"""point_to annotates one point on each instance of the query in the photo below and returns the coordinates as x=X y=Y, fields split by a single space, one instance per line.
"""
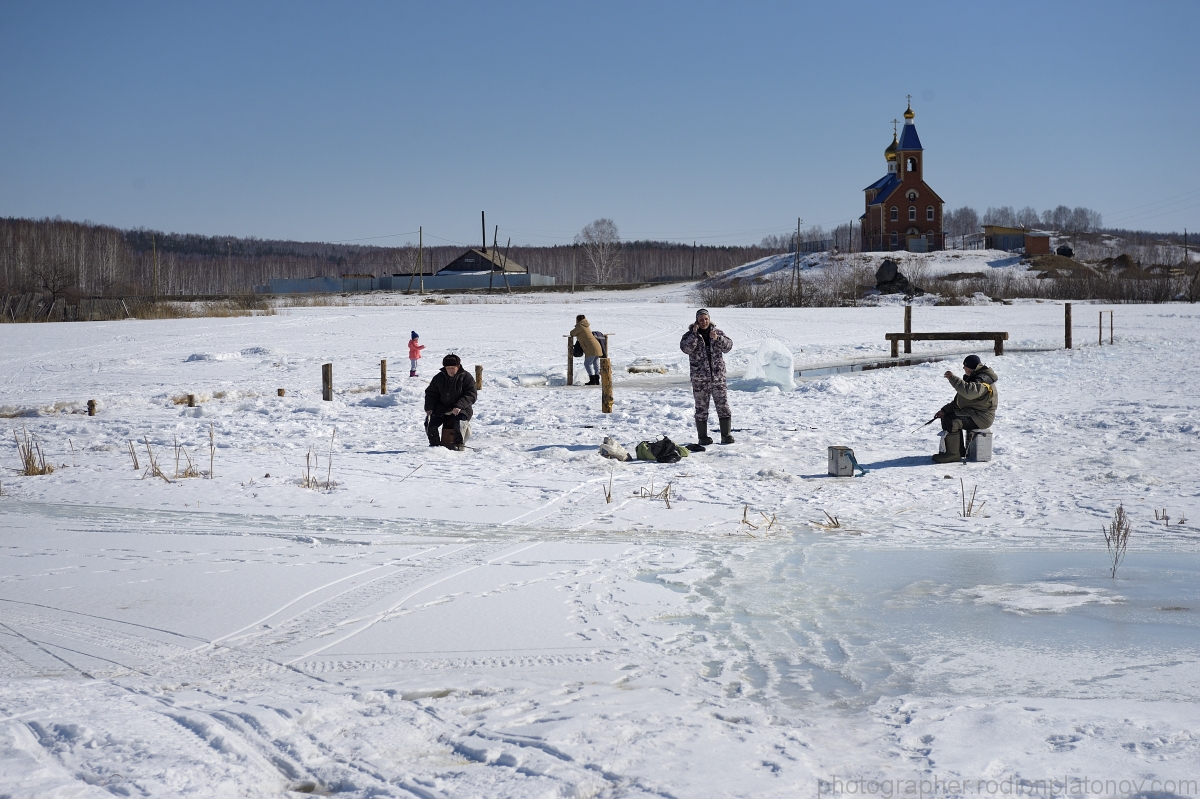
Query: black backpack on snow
x=664 y=450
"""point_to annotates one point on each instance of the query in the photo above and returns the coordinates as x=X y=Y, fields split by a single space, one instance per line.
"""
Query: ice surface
x=526 y=619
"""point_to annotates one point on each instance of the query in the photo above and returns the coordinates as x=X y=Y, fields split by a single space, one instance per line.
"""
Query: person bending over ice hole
x=587 y=342
x=973 y=407
x=706 y=346
x=448 y=402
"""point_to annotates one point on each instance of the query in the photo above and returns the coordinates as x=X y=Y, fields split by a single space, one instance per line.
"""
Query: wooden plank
x=956 y=336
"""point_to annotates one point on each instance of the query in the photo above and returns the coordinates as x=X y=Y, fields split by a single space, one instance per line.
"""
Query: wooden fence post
x=327 y=382
x=91 y=407
x=478 y=376
x=383 y=376
x=191 y=400
x=1068 y=324
x=606 y=391
x=1101 y=334
x=570 y=360
x=908 y=328
x=1111 y=339
x=281 y=391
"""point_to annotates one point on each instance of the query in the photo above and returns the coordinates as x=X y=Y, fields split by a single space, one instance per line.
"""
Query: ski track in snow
x=490 y=625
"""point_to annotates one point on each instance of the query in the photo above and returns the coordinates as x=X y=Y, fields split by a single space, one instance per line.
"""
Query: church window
x=912 y=213
x=912 y=165
x=895 y=213
x=895 y=238
x=929 y=213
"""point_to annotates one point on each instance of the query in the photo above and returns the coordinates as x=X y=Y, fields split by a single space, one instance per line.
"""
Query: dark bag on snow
x=664 y=450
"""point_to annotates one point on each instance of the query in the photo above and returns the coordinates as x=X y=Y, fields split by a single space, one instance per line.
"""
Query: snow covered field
x=484 y=623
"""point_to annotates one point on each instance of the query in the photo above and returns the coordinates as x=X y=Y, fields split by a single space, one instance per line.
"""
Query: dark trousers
x=449 y=422
x=956 y=425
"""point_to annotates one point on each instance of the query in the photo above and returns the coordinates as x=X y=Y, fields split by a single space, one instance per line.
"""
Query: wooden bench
x=998 y=337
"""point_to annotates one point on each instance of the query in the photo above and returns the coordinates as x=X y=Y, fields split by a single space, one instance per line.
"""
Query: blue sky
x=683 y=121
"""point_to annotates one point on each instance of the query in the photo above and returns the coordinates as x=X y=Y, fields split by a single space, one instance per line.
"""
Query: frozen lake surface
x=486 y=623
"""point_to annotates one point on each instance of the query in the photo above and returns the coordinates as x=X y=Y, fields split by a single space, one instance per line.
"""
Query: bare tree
x=1028 y=217
x=962 y=221
x=601 y=242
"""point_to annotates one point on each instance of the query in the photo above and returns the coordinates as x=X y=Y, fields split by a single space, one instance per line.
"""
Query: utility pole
x=154 y=249
x=796 y=261
x=693 y=260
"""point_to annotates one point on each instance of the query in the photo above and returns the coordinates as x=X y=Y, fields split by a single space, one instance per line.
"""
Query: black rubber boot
x=953 y=453
x=726 y=429
x=702 y=433
x=594 y=380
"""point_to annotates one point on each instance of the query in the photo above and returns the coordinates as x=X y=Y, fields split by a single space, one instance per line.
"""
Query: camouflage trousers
x=702 y=390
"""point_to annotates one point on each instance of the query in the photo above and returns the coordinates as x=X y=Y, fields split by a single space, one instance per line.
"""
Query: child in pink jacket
x=414 y=353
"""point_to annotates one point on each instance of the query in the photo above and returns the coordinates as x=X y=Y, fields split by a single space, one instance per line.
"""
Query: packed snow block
x=841 y=462
x=772 y=365
x=979 y=447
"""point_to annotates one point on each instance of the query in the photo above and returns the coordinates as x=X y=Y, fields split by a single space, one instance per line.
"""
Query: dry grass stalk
x=190 y=470
x=152 y=470
x=1116 y=538
x=1162 y=517
x=648 y=493
x=833 y=523
x=608 y=491
x=30 y=452
x=133 y=454
x=212 y=449
x=968 y=508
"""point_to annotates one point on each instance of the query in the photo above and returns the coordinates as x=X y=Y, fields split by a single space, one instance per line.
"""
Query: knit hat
x=701 y=312
x=451 y=360
x=414 y=335
x=971 y=362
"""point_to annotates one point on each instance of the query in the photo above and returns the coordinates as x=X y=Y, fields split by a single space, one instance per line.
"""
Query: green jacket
x=975 y=397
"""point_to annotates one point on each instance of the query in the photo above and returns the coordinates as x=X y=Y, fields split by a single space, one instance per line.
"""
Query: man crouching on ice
x=448 y=401
x=973 y=407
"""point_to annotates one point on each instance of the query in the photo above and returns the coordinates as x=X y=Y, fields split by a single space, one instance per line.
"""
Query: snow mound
x=212 y=356
x=772 y=365
x=1040 y=597
x=644 y=365
x=381 y=400
x=532 y=381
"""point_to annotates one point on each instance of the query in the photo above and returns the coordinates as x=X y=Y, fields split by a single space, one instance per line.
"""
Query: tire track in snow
x=371 y=621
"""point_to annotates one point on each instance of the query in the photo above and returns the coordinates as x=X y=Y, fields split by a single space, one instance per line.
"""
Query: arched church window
x=912 y=213
x=929 y=213
x=895 y=213
x=895 y=238
x=912 y=165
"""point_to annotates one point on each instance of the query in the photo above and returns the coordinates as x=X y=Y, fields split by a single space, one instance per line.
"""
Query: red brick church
x=903 y=213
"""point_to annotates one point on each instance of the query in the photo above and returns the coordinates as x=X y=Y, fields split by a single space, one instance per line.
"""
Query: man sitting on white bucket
x=973 y=407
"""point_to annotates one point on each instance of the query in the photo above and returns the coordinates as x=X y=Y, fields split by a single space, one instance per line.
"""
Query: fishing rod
x=931 y=421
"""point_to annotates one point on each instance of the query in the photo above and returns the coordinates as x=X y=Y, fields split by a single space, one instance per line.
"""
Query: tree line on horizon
x=71 y=259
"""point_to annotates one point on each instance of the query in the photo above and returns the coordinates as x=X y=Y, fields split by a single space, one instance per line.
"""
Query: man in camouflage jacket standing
x=973 y=406
x=706 y=346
